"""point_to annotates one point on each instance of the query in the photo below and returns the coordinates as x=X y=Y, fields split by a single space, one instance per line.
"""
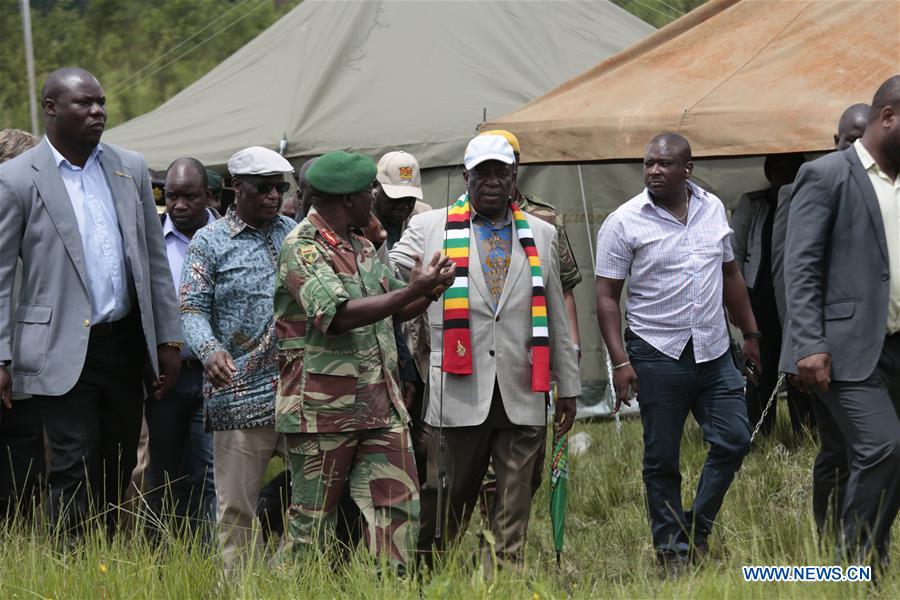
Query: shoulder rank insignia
x=330 y=237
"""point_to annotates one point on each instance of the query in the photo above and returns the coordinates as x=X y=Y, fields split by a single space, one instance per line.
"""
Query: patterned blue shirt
x=227 y=294
x=494 y=240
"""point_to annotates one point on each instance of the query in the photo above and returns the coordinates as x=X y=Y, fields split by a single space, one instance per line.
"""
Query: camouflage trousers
x=380 y=469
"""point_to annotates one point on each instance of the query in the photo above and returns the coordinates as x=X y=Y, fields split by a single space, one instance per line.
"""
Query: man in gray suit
x=97 y=302
x=832 y=464
x=493 y=412
x=842 y=328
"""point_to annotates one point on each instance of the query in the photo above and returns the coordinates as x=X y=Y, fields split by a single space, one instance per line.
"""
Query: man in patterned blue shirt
x=227 y=290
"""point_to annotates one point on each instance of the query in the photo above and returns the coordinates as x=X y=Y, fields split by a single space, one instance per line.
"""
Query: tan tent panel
x=736 y=77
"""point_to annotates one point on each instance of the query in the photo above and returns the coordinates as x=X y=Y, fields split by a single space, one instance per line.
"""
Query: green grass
x=766 y=520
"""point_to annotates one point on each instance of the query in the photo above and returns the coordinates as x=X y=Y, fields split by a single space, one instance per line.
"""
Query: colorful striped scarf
x=457 y=358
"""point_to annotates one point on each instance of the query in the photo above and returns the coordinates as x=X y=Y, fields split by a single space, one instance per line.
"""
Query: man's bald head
x=187 y=194
x=851 y=125
x=190 y=167
x=74 y=112
x=63 y=79
x=888 y=95
x=667 y=166
x=676 y=145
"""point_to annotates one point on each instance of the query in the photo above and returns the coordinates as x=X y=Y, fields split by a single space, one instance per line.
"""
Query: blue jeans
x=668 y=390
x=180 y=475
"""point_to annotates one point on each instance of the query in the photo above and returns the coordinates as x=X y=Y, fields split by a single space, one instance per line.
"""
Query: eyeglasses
x=264 y=187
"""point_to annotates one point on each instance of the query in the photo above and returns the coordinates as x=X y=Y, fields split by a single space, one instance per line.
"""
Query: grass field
x=766 y=520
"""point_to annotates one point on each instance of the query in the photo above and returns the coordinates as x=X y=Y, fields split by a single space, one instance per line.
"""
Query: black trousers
x=93 y=429
x=21 y=457
x=868 y=414
x=799 y=403
x=830 y=471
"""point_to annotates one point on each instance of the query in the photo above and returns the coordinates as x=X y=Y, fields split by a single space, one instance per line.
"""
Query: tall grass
x=766 y=520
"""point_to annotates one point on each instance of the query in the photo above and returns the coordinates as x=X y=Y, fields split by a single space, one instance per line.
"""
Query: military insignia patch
x=406 y=173
x=309 y=253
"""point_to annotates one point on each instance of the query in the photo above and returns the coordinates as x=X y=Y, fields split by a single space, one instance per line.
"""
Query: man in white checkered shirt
x=673 y=243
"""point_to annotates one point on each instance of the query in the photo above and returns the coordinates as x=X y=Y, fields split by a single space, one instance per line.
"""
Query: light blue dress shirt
x=101 y=239
x=176 y=248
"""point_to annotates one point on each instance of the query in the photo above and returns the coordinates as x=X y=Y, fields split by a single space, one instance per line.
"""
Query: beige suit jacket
x=500 y=342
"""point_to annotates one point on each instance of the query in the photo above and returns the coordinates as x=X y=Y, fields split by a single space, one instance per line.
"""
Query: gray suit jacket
x=779 y=235
x=836 y=271
x=747 y=223
x=499 y=342
x=52 y=320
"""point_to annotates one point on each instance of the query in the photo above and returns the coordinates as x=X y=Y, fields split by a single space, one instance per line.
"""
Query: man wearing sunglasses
x=227 y=291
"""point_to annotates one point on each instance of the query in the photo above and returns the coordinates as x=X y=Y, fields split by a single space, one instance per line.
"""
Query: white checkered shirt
x=674 y=272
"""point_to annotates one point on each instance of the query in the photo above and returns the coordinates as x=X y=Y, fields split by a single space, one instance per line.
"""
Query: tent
x=377 y=76
x=736 y=77
x=419 y=76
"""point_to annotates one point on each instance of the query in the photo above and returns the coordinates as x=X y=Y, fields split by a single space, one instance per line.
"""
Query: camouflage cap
x=341 y=173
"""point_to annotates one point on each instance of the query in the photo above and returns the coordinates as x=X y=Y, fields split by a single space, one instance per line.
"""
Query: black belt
x=122 y=326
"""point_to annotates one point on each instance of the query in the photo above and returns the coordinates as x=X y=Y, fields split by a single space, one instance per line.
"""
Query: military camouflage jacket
x=568 y=268
x=332 y=383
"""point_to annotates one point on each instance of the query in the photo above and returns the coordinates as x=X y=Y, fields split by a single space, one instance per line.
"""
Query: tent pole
x=610 y=393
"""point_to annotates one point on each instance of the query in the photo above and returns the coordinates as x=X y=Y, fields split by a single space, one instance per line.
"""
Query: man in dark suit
x=842 y=328
x=97 y=302
x=832 y=464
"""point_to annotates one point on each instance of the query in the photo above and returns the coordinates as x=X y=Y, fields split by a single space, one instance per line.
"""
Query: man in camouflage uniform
x=338 y=400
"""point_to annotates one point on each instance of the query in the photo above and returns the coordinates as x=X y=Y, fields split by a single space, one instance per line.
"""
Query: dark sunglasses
x=264 y=187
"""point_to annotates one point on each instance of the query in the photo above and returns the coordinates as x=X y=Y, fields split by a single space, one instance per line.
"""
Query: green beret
x=341 y=173
x=215 y=181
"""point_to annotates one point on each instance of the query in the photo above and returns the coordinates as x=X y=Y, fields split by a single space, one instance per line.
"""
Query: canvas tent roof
x=377 y=76
x=736 y=77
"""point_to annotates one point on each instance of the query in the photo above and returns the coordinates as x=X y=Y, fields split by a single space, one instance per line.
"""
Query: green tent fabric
x=373 y=77
x=377 y=76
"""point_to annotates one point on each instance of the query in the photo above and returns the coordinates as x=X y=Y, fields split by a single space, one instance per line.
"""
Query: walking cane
x=442 y=467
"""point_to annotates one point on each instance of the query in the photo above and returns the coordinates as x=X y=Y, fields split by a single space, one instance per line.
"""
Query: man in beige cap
x=398 y=193
x=398 y=197
x=227 y=295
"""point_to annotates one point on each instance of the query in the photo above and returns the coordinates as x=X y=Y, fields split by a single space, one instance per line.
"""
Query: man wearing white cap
x=227 y=291
x=493 y=345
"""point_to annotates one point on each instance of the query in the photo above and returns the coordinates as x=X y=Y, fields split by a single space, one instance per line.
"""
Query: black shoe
x=671 y=565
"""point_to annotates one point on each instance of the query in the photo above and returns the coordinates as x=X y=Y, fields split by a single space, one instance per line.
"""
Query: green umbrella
x=559 y=478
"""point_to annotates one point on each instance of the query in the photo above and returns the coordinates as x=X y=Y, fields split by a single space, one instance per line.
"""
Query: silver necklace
x=687 y=207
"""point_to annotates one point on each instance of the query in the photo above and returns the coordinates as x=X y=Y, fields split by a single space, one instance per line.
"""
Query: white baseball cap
x=257 y=160
x=488 y=147
x=399 y=175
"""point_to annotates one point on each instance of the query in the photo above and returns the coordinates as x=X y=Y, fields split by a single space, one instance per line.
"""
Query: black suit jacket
x=836 y=273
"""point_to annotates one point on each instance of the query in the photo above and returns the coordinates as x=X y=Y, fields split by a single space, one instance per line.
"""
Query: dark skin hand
x=565 y=414
x=220 y=369
x=5 y=387
x=609 y=317
x=169 y=370
x=738 y=303
x=814 y=372
x=404 y=304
